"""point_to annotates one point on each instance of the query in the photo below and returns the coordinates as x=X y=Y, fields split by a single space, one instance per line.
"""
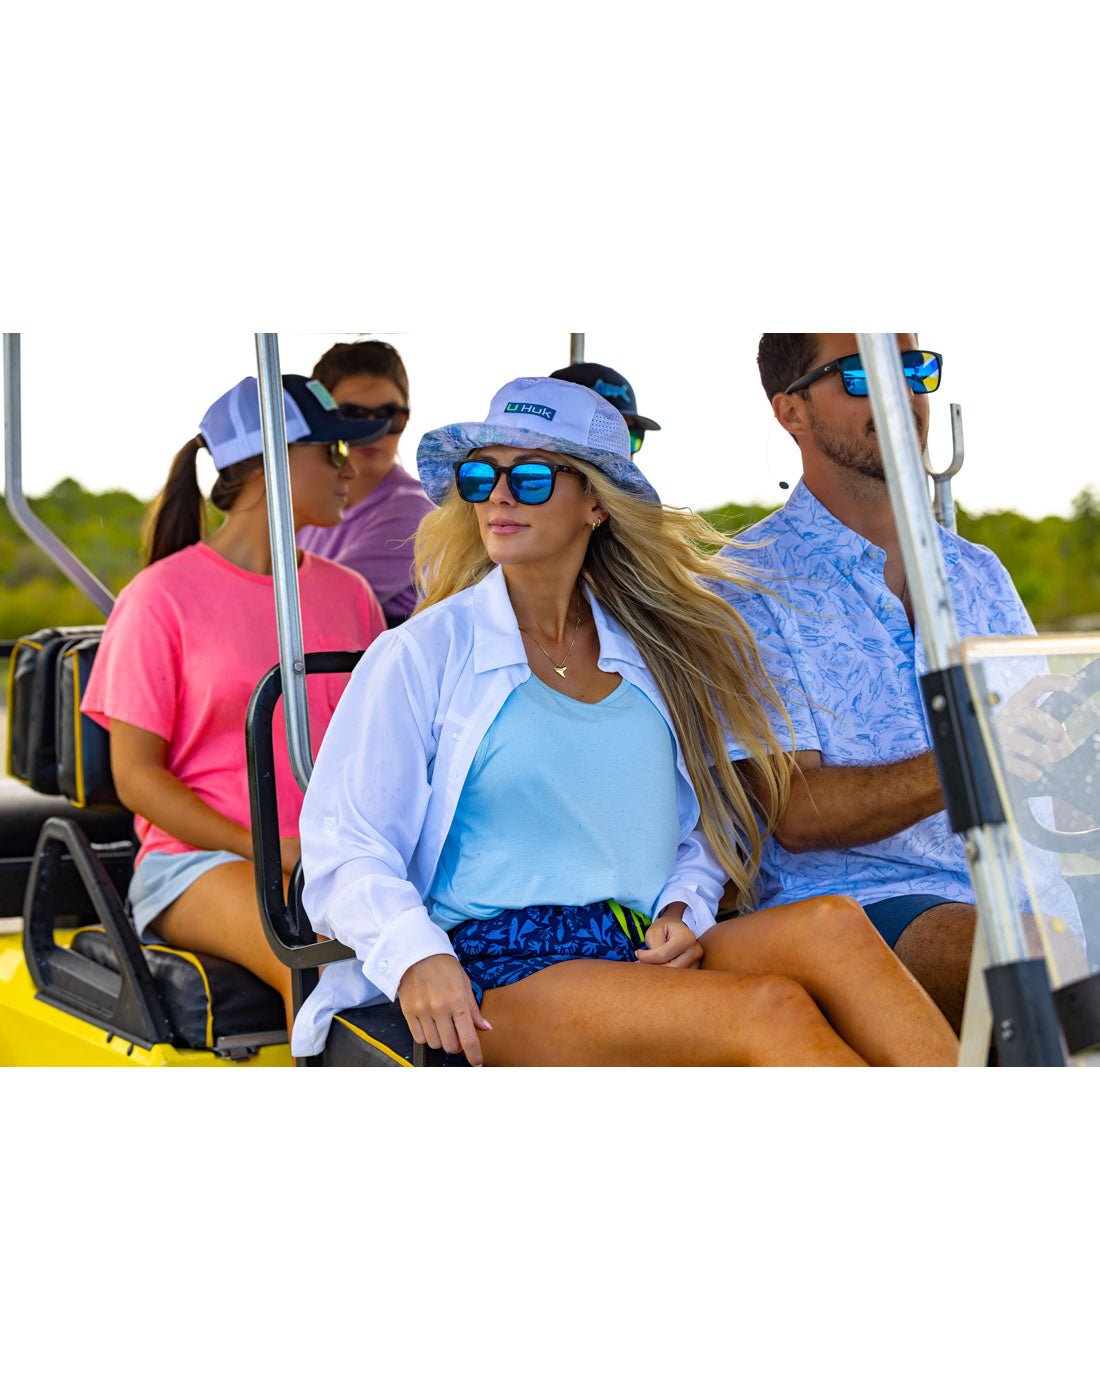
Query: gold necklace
x=558 y=666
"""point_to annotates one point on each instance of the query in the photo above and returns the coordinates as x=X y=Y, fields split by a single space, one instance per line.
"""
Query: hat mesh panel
x=608 y=432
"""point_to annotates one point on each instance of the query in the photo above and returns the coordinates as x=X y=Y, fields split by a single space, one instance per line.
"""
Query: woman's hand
x=669 y=941
x=290 y=852
x=439 y=1005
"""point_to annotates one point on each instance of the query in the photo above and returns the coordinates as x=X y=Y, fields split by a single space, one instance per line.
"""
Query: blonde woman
x=514 y=820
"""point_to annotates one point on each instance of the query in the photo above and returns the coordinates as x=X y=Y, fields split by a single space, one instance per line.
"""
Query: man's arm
x=833 y=805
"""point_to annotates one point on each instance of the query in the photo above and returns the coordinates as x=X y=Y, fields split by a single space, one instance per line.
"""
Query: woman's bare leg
x=832 y=949
x=595 y=1012
x=218 y=914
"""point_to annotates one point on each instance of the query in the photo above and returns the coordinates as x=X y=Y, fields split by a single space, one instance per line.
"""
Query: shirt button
x=383 y=965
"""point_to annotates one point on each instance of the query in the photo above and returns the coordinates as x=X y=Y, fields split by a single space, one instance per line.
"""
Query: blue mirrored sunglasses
x=531 y=483
x=922 y=370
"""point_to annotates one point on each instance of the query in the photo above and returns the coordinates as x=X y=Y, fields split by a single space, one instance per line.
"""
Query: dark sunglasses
x=338 y=453
x=531 y=483
x=637 y=437
x=922 y=370
x=396 y=413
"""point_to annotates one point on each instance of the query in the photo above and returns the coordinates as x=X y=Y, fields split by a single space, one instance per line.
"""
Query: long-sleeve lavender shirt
x=375 y=539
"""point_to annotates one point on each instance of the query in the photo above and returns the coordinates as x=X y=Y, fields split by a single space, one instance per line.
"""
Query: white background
x=669 y=179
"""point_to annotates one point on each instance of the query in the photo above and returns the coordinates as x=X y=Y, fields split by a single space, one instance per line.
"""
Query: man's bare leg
x=935 y=948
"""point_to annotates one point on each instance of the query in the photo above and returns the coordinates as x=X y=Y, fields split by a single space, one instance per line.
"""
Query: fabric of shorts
x=893 y=916
x=162 y=877
x=517 y=942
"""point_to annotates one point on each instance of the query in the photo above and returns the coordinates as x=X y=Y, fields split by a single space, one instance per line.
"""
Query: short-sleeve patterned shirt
x=839 y=647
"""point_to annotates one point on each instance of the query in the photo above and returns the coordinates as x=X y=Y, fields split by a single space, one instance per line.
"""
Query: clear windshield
x=1038 y=701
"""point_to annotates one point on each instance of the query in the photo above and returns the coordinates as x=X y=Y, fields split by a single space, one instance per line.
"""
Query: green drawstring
x=630 y=921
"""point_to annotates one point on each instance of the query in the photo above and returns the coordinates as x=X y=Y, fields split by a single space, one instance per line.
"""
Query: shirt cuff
x=409 y=938
x=699 y=914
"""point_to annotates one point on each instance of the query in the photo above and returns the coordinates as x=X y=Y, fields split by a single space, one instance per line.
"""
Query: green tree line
x=1055 y=562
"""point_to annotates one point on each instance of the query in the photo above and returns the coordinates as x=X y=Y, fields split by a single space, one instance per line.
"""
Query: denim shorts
x=162 y=877
x=517 y=942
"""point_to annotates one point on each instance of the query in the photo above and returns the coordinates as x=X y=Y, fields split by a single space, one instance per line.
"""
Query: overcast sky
x=718 y=440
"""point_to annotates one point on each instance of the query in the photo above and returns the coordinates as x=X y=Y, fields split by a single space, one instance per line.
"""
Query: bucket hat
x=545 y=414
x=232 y=431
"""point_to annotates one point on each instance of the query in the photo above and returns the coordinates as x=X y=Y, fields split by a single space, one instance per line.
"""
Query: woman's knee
x=774 y=999
x=838 y=921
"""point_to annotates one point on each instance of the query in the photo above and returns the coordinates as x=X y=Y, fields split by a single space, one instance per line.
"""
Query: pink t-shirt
x=185 y=646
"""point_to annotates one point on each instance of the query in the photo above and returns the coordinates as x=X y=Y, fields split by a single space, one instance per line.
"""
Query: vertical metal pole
x=284 y=558
x=576 y=348
x=53 y=548
x=989 y=847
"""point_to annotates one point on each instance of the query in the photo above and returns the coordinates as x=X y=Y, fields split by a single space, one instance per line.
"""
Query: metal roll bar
x=943 y=501
x=1025 y=1021
x=576 y=348
x=53 y=548
x=284 y=557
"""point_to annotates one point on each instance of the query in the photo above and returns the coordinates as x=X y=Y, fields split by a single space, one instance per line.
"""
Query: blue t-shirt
x=566 y=803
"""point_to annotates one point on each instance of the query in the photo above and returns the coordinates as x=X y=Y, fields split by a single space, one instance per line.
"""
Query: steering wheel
x=1075 y=779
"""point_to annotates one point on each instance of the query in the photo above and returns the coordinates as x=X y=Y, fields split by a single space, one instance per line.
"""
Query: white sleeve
x=697 y=880
x=364 y=812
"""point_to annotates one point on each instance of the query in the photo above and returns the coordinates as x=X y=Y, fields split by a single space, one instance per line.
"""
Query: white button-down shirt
x=389 y=775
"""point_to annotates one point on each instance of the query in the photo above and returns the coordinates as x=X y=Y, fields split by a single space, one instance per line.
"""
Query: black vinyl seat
x=208 y=1000
x=67 y=850
x=378 y=1036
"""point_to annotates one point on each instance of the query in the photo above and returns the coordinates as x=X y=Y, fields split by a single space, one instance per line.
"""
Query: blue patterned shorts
x=499 y=951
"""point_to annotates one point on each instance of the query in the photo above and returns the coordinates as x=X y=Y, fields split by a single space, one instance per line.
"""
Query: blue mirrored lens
x=854 y=376
x=475 y=480
x=922 y=370
x=531 y=483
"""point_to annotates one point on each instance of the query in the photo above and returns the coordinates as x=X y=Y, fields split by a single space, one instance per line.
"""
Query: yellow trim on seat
x=399 y=1059
x=79 y=800
x=191 y=958
x=34 y=646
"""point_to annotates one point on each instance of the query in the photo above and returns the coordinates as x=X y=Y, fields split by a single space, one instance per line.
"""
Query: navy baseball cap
x=612 y=385
x=232 y=430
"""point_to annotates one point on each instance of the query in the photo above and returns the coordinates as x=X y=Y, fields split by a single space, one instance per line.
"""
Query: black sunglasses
x=531 y=483
x=922 y=370
x=396 y=413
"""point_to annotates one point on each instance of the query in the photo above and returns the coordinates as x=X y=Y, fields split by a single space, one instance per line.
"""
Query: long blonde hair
x=649 y=567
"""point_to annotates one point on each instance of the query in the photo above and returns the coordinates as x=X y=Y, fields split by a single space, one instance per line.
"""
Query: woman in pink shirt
x=184 y=648
x=368 y=381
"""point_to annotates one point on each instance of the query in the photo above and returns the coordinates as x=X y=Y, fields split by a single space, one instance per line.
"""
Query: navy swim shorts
x=517 y=942
x=893 y=916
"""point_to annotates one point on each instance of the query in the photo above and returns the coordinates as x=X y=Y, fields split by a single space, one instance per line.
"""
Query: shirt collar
x=813 y=521
x=497 y=639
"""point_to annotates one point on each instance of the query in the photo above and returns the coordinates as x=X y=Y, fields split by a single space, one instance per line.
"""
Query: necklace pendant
x=561 y=670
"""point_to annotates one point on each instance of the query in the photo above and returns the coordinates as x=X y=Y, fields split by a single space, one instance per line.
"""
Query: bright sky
x=718 y=441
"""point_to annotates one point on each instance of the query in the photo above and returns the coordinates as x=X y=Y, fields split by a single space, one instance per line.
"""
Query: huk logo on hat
x=540 y=410
x=612 y=391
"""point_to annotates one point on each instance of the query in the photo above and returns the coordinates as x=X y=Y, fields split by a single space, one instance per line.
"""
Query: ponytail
x=178 y=515
x=176 y=518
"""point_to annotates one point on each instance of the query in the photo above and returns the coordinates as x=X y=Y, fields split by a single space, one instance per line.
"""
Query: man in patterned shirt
x=866 y=815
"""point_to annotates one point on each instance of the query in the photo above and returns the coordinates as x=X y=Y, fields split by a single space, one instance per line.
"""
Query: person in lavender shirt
x=375 y=538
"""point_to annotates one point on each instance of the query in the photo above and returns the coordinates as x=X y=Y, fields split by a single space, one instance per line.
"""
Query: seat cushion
x=206 y=998
x=377 y=1036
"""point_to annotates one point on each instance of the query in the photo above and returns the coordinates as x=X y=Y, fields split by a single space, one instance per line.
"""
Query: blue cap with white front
x=552 y=415
x=232 y=430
